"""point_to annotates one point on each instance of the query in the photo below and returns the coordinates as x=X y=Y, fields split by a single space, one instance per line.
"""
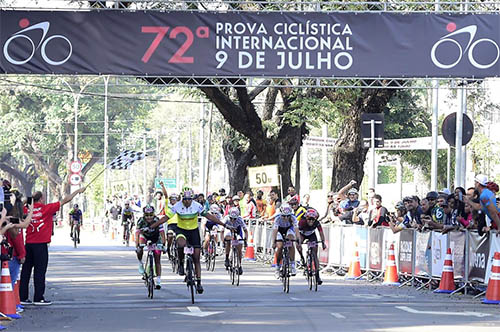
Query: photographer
x=38 y=236
x=400 y=220
x=361 y=214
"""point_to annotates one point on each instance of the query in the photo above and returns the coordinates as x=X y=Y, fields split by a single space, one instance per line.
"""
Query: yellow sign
x=84 y=156
x=263 y=176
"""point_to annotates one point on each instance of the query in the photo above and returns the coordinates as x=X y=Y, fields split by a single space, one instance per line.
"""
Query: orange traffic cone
x=447 y=284
x=493 y=291
x=113 y=234
x=16 y=291
x=7 y=300
x=391 y=271
x=354 y=267
x=250 y=252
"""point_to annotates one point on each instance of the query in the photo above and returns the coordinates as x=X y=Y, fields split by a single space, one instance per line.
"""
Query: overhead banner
x=272 y=44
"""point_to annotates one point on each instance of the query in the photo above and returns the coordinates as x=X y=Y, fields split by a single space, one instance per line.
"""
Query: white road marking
x=337 y=315
x=195 y=311
x=445 y=313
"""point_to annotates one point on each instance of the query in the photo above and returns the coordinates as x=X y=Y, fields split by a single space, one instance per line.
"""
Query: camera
x=14 y=220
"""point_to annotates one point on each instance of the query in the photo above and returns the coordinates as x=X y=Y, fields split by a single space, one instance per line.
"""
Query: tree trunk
x=348 y=153
x=237 y=163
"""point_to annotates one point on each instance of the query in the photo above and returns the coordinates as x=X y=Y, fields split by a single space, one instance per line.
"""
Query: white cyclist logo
x=469 y=49
x=44 y=26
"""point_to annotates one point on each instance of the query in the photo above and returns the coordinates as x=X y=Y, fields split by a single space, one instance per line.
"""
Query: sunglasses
x=149 y=214
x=310 y=219
x=330 y=195
x=187 y=199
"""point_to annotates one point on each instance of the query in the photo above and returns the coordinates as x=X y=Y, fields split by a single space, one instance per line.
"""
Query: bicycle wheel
x=235 y=267
x=309 y=271
x=232 y=269
x=151 y=282
x=313 y=276
x=214 y=253
x=75 y=238
x=208 y=258
x=190 y=277
x=173 y=257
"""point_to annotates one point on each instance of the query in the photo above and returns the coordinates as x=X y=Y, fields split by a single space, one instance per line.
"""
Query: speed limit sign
x=75 y=166
x=263 y=176
x=75 y=179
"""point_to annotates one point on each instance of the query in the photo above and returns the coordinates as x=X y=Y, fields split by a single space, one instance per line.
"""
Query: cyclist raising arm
x=148 y=230
x=307 y=229
x=285 y=226
x=233 y=221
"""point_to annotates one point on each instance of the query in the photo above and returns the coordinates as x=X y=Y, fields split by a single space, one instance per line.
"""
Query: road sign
x=263 y=176
x=84 y=156
x=75 y=179
x=416 y=143
x=75 y=166
x=449 y=129
x=378 y=130
x=169 y=183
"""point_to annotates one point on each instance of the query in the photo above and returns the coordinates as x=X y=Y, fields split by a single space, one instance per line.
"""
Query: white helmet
x=234 y=213
x=214 y=208
x=286 y=210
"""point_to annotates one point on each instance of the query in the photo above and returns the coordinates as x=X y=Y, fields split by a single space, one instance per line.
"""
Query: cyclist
x=187 y=212
x=148 y=230
x=171 y=222
x=299 y=210
x=233 y=221
x=285 y=226
x=307 y=230
x=127 y=219
x=75 y=219
x=208 y=225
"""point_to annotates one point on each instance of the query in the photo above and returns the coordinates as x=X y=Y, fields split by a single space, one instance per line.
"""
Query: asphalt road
x=97 y=288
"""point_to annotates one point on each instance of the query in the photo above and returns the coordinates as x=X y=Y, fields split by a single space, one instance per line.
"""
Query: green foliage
x=386 y=174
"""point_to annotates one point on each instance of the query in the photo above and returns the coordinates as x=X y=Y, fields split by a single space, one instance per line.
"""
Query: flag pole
x=95 y=178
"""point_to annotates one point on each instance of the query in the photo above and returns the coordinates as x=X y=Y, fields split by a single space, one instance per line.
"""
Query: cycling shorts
x=285 y=232
x=192 y=236
x=210 y=226
x=310 y=238
x=239 y=233
x=154 y=239
x=172 y=228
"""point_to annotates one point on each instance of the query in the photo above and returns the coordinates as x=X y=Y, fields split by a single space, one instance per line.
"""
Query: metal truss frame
x=397 y=6
x=238 y=82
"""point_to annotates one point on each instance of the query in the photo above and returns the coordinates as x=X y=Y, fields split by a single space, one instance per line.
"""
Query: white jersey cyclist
x=235 y=223
x=286 y=225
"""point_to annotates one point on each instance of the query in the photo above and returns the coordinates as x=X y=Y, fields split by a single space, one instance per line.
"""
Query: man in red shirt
x=38 y=236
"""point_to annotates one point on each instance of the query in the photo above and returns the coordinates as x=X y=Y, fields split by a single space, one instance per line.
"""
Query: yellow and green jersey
x=187 y=217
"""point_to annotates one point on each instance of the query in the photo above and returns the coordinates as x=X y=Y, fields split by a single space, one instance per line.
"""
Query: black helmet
x=148 y=209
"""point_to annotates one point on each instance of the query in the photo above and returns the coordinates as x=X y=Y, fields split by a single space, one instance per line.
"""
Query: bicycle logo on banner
x=471 y=45
x=44 y=26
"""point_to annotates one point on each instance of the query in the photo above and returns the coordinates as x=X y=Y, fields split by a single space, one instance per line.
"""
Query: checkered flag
x=126 y=159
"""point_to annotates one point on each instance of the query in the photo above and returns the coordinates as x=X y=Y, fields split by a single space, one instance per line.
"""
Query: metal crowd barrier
x=419 y=255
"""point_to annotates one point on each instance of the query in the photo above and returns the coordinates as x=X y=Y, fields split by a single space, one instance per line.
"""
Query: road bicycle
x=76 y=233
x=150 y=268
x=188 y=254
x=234 y=260
x=311 y=266
x=174 y=255
x=285 y=271
x=211 y=253
x=126 y=234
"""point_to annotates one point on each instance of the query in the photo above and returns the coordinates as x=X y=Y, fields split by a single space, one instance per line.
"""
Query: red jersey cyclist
x=307 y=230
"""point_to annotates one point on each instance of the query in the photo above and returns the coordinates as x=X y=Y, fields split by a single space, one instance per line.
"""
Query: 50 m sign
x=263 y=176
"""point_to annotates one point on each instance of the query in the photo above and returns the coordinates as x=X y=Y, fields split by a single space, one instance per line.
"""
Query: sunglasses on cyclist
x=149 y=214
x=187 y=199
x=310 y=219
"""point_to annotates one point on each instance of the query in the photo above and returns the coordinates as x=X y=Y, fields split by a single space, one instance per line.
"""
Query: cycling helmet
x=214 y=208
x=312 y=213
x=400 y=206
x=173 y=196
x=148 y=209
x=293 y=201
x=75 y=206
x=187 y=194
x=234 y=213
x=236 y=197
x=286 y=210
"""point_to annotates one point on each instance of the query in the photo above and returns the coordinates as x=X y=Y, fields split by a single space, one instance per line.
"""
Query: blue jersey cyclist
x=234 y=223
x=285 y=226
x=75 y=217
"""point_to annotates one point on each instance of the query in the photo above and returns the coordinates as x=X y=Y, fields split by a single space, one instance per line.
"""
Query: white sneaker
x=158 y=283
x=293 y=270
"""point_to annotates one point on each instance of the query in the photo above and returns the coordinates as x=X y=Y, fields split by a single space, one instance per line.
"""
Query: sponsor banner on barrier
x=323 y=254
x=335 y=250
x=376 y=236
x=406 y=251
x=479 y=248
x=348 y=239
x=439 y=246
x=457 y=245
x=389 y=238
x=494 y=247
x=362 y=238
x=423 y=254
x=306 y=44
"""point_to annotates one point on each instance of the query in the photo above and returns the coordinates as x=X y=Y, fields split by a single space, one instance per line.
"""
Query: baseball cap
x=445 y=191
x=352 y=191
x=481 y=179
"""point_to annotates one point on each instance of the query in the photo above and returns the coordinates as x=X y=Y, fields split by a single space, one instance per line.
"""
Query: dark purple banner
x=250 y=44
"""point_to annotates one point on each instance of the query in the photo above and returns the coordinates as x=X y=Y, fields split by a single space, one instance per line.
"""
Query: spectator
x=352 y=200
x=361 y=214
x=433 y=215
x=379 y=215
x=292 y=193
x=38 y=236
x=371 y=200
x=228 y=206
x=467 y=221
x=236 y=202
x=261 y=203
x=298 y=210
x=305 y=202
x=487 y=202
x=332 y=206
x=251 y=208
x=459 y=194
x=273 y=206
x=399 y=221
x=450 y=221
x=241 y=201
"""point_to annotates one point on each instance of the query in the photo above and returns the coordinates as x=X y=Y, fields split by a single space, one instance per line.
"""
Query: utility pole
x=202 y=147
x=144 y=191
x=106 y=128
x=190 y=157
x=208 y=148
